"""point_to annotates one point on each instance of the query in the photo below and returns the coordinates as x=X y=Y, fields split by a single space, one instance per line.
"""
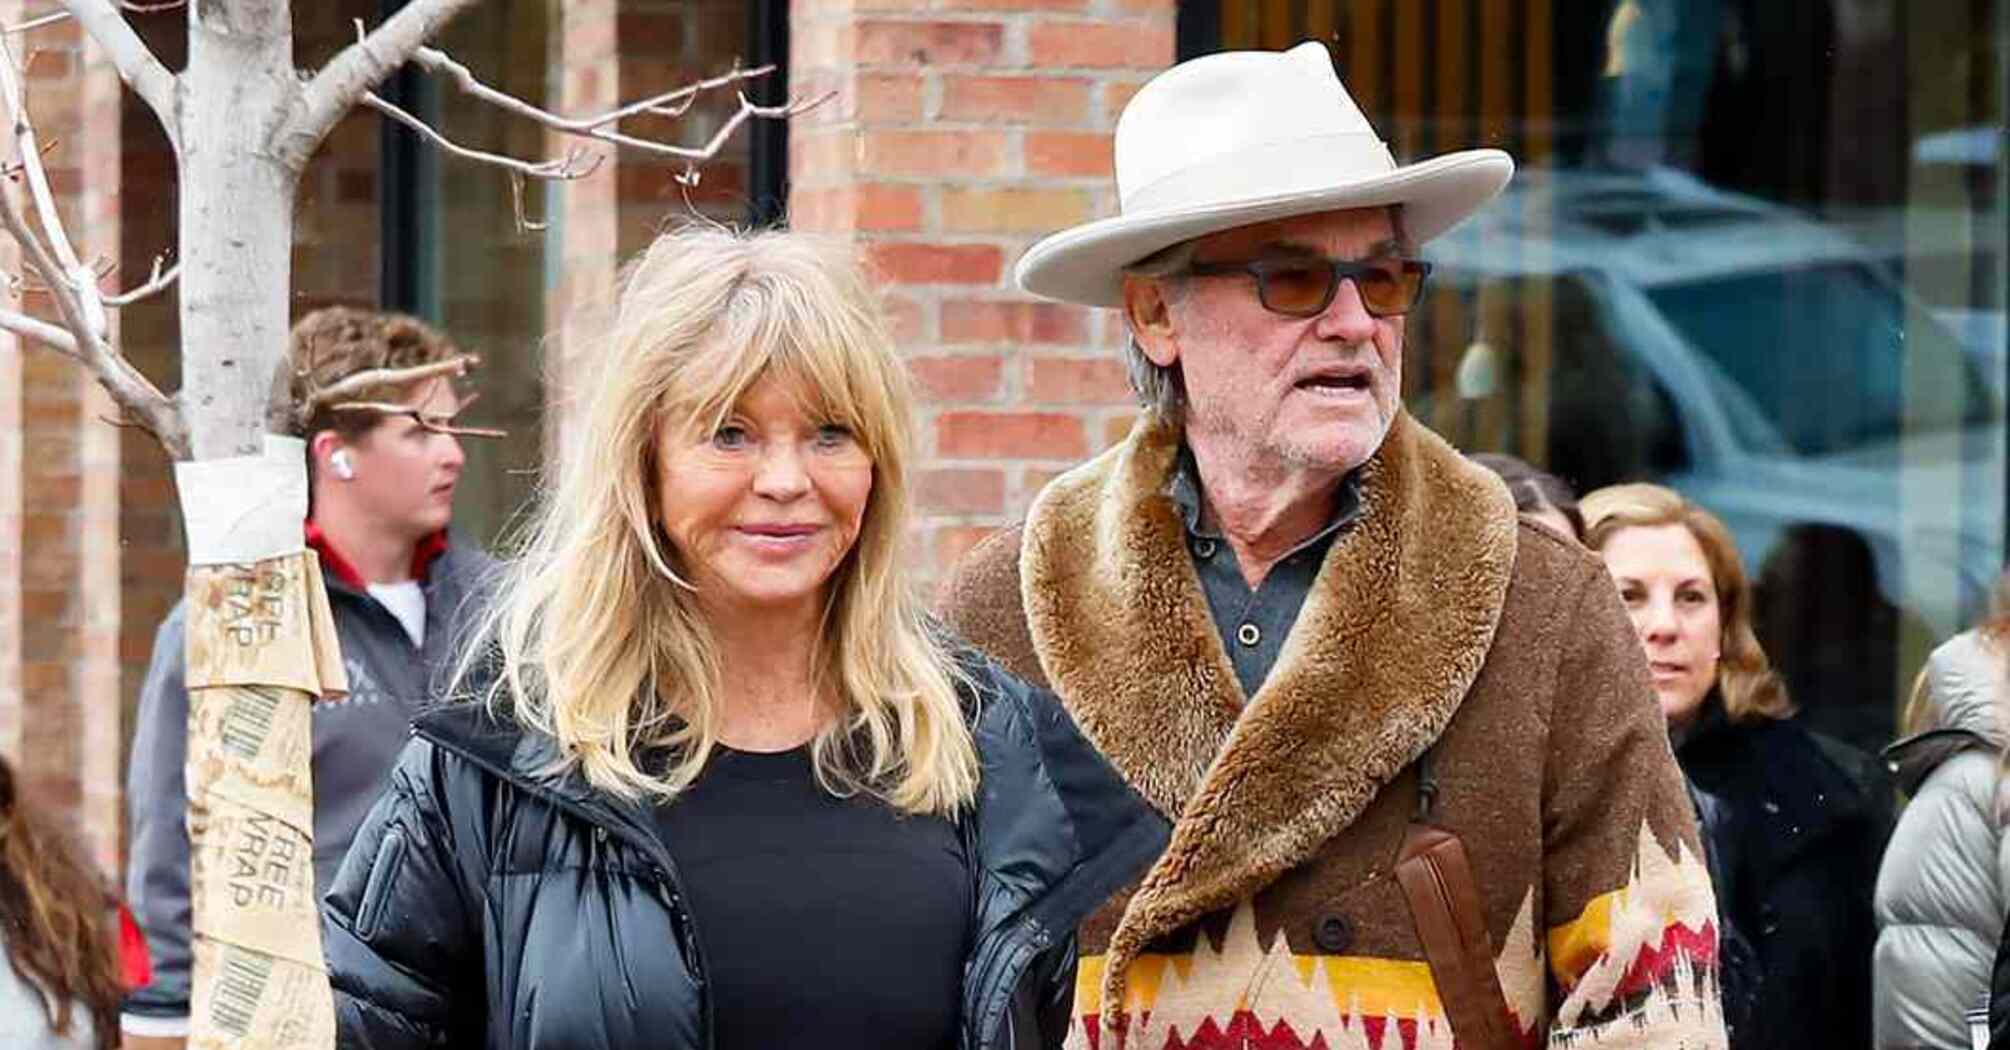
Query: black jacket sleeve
x=400 y=923
x=1999 y=995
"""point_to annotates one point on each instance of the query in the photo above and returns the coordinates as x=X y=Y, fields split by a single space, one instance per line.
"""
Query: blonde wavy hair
x=596 y=640
x=1749 y=687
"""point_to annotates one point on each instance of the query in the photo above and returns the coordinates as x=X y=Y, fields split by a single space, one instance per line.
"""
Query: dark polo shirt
x=1254 y=623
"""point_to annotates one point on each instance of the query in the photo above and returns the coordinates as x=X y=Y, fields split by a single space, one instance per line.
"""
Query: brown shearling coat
x=1273 y=919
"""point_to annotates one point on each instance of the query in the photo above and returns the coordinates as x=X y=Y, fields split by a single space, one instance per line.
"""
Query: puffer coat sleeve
x=400 y=922
x=1944 y=885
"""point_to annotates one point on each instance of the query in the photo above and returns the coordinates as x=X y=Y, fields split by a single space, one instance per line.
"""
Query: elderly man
x=1419 y=790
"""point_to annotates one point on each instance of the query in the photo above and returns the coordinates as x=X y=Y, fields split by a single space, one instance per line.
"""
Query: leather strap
x=1437 y=881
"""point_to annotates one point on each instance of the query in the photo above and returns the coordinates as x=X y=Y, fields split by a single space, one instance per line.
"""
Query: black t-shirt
x=825 y=922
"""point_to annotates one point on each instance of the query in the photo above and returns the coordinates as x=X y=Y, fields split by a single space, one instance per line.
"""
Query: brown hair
x=57 y=916
x=1534 y=489
x=1996 y=625
x=1746 y=682
x=336 y=342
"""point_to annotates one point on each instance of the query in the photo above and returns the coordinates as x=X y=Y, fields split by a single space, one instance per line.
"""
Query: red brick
x=1101 y=45
x=1116 y=95
x=1118 y=427
x=49 y=65
x=1013 y=209
x=873 y=207
x=1035 y=479
x=904 y=317
x=904 y=262
x=890 y=98
x=1063 y=153
x=1020 y=100
x=1011 y=435
x=946 y=380
x=1078 y=380
x=960 y=491
x=952 y=542
x=933 y=153
x=649 y=33
x=928 y=43
x=823 y=157
x=991 y=321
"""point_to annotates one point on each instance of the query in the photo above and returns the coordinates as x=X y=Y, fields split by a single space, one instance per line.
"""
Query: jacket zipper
x=1017 y=951
x=661 y=865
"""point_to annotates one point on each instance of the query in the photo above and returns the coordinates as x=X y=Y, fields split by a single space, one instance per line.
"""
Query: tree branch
x=671 y=103
x=601 y=126
x=52 y=336
x=564 y=168
x=32 y=172
x=74 y=287
x=137 y=65
x=363 y=65
x=79 y=338
x=352 y=386
x=155 y=284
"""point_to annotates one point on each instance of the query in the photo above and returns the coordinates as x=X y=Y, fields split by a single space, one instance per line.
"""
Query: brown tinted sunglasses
x=1306 y=287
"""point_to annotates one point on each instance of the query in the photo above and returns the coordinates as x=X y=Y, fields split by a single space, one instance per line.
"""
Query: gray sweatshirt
x=356 y=741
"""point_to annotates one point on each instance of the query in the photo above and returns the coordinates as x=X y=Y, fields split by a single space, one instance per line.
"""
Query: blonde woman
x=1945 y=881
x=726 y=788
x=1794 y=836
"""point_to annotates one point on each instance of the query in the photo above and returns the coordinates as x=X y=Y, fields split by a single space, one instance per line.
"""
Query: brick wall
x=965 y=130
x=59 y=466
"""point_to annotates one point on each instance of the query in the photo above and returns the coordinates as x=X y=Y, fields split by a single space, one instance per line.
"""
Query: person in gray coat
x=1941 y=890
x=382 y=486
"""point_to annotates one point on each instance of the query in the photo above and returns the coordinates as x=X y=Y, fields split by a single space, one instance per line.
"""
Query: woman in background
x=61 y=986
x=1941 y=891
x=1797 y=844
x=1538 y=494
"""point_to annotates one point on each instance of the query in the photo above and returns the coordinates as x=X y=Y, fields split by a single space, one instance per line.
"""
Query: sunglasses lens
x=1297 y=290
x=1390 y=287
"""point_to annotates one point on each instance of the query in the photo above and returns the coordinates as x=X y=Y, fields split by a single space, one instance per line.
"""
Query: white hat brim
x=1084 y=264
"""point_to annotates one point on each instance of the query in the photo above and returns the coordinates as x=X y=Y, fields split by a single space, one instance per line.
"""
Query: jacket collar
x=339 y=568
x=1395 y=630
x=525 y=761
x=1911 y=760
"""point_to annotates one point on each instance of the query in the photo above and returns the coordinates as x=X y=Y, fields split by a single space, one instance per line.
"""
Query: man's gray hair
x=1159 y=387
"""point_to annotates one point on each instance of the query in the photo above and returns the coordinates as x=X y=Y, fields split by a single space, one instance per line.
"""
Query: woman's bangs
x=833 y=374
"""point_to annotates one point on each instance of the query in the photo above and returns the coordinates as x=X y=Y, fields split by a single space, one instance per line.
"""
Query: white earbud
x=339 y=463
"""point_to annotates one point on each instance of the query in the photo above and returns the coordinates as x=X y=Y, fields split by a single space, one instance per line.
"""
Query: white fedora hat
x=1243 y=137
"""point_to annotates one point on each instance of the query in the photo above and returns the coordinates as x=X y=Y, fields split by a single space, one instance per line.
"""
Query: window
x=1752 y=251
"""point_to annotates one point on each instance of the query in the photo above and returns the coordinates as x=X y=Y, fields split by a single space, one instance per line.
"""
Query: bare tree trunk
x=237 y=197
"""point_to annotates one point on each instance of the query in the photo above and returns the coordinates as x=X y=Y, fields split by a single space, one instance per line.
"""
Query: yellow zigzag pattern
x=1170 y=997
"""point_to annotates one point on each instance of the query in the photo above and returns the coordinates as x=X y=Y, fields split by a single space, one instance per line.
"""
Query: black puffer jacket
x=483 y=905
x=1798 y=841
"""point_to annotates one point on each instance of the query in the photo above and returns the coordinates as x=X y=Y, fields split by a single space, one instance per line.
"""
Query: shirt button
x=1333 y=934
x=1204 y=548
x=1247 y=634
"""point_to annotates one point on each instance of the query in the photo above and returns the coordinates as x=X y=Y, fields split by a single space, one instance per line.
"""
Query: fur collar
x=1393 y=634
